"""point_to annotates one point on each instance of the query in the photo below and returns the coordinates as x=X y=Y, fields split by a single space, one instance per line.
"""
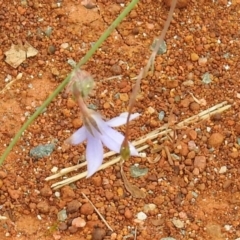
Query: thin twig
x=99 y=214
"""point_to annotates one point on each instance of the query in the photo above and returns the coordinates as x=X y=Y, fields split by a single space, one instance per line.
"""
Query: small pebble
x=98 y=233
x=46 y=191
x=78 y=222
x=149 y=207
x=178 y=223
x=64 y=45
x=87 y=209
x=43 y=207
x=222 y=170
x=77 y=123
x=194 y=57
x=128 y=213
x=62 y=215
x=216 y=139
x=72 y=229
x=124 y=97
x=141 y=216
x=200 y=162
x=73 y=206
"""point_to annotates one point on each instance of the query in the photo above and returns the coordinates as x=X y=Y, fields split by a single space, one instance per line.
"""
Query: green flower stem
x=66 y=80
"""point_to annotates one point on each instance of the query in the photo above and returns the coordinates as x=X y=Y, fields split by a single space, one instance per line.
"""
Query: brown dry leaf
x=30 y=50
x=17 y=54
x=134 y=190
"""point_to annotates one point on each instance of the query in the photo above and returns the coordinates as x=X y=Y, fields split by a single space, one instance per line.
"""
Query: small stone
x=202 y=61
x=222 y=170
x=150 y=110
x=191 y=155
x=122 y=84
x=194 y=57
x=227 y=184
x=194 y=106
x=1 y=183
x=19 y=179
x=51 y=49
x=3 y=174
x=72 y=229
x=97 y=181
x=106 y=105
x=185 y=103
x=157 y=222
x=196 y=171
x=141 y=216
x=62 y=226
x=183 y=148
x=149 y=207
x=77 y=123
x=188 y=162
x=46 y=191
x=14 y=194
x=62 y=215
x=172 y=83
x=98 y=233
x=124 y=97
x=162 y=49
x=43 y=207
x=87 y=209
x=73 y=206
x=116 y=69
x=192 y=134
x=78 y=222
x=120 y=192
x=201 y=187
x=200 y=162
x=55 y=72
x=64 y=45
x=71 y=103
x=67 y=193
x=128 y=213
x=234 y=154
x=216 y=139
x=42 y=150
x=178 y=223
x=109 y=195
x=188 y=38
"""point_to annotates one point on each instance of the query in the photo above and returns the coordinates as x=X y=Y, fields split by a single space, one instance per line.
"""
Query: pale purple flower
x=97 y=133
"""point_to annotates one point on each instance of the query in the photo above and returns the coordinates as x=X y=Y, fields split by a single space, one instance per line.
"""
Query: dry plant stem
x=135 y=234
x=132 y=189
x=170 y=161
x=161 y=37
x=145 y=70
x=162 y=131
x=99 y=214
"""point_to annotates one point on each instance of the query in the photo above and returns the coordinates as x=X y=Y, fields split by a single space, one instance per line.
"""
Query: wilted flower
x=98 y=132
x=81 y=83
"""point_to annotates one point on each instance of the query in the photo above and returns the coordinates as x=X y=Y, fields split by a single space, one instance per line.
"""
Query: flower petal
x=112 y=139
x=78 y=137
x=94 y=154
x=121 y=119
x=133 y=150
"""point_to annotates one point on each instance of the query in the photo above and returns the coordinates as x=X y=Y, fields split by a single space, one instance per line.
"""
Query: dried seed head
x=81 y=84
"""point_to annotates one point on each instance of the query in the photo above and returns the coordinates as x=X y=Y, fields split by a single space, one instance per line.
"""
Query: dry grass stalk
x=162 y=131
x=99 y=214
